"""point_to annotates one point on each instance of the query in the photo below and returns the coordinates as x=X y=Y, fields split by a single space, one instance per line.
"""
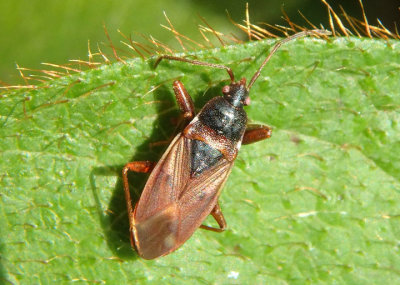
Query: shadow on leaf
x=114 y=220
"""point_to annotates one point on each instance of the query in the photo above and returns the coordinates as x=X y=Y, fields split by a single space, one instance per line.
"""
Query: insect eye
x=246 y=101
x=225 y=89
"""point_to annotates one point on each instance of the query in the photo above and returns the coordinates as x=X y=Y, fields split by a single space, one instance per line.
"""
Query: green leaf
x=316 y=203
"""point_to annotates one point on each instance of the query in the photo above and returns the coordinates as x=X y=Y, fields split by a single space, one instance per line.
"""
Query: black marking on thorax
x=202 y=157
x=224 y=119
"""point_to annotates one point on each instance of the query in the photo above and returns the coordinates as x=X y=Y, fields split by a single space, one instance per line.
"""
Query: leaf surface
x=316 y=203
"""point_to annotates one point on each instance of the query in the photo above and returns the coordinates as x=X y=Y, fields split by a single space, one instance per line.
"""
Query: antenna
x=279 y=44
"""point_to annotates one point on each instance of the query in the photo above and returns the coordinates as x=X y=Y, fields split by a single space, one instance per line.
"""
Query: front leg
x=184 y=100
x=255 y=133
x=186 y=106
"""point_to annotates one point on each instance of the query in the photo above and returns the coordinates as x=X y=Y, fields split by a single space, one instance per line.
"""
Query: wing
x=174 y=204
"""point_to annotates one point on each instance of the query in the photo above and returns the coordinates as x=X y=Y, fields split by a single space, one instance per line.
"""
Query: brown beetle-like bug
x=184 y=186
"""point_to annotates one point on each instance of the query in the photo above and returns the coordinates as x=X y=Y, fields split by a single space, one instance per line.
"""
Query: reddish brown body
x=184 y=186
x=183 y=202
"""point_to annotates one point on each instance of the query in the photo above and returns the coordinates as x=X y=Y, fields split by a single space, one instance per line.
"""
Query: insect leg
x=255 y=133
x=184 y=100
x=186 y=106
x=196 y=62
x=135 y=166
x=219 y=217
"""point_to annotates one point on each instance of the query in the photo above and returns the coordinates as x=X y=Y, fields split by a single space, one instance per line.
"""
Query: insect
x=184 y=186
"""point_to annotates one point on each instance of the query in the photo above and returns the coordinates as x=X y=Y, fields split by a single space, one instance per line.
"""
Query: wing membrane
x=166 y=180
x=174 y=204
x=200 y=197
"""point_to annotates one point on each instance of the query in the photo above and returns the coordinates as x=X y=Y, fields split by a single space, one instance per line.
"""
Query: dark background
x=33 y=31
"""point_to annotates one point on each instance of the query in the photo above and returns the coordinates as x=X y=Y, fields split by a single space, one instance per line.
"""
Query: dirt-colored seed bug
x=184 y=186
